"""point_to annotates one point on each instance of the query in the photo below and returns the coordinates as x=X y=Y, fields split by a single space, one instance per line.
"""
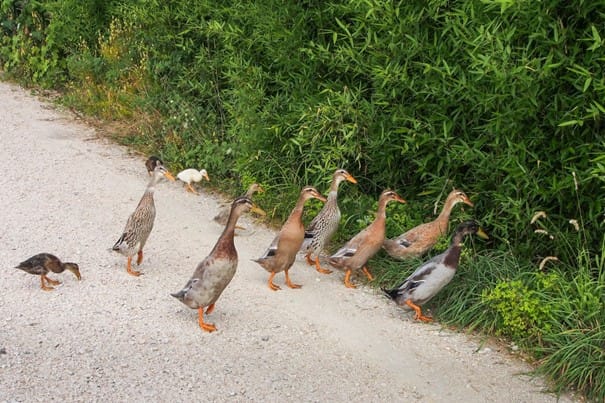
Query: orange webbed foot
x=418 y=310
x=129 y=269
x=319 y=268
x=208 y=327
x=348 y=283
x=289 y=283
x=51 y=281
x=367 y=273
x=270 y=283
x=43 y=285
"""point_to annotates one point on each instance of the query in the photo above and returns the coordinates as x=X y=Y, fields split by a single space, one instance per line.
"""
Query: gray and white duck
x=216 y=271
x=430 y=278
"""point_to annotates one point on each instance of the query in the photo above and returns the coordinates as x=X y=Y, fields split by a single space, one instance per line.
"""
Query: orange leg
x=270 y=282
x=290 y=283
x=208 y=327
x=419 y=315
x=130 y=270
x=310 y=261
x=51 y=281
x=209 y=309
x=367 y=273
x=318 y=266
x=348 y=283
x=139 y=257
x=191 y=189
x=43 y=284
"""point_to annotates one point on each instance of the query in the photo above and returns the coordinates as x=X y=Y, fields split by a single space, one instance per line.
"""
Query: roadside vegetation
x=503 y=99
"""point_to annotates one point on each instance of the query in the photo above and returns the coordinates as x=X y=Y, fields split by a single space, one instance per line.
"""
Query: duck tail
x=116 y=246
x=179 y=295
x=392 y=293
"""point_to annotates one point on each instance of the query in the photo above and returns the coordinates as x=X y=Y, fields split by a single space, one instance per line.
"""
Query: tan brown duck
x=216 y=271
x=428 y=279
x=140 y=223
x=223 y=216
x=324 y=225
x=44 y=263
x=355 y=254
x=419 y=240
x=282 y=252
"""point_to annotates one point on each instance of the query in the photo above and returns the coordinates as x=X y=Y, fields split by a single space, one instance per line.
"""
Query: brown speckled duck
x=223 y=215
x=355 y=254
x=282 y=252
x=140 y=223
x=325 y=223
x=216 y=271
x=151 y=163
x=419 y=240
x=428 y=279
x=44 y=263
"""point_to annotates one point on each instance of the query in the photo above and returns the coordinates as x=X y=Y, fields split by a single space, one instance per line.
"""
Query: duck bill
x=257 y=210
x=77 y=274
x=350 y=178
x=400 y=199
x=321 y=198
x=482 y=234
x=468 y=202
x=169 y=176
x=206 y=177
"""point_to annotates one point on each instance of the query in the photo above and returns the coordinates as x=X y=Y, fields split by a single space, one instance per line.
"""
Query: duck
x=430 y=277
x=192 y=175
x=280 y=255
x=151 y=163
x=44 y=263
x=324 y=225
x=223 y=215
x=355 y=254
x=216 y=271
x=419 y=240
x=140 y=223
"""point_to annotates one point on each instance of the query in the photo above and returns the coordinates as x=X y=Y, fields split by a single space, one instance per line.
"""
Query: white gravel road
x=115 y=337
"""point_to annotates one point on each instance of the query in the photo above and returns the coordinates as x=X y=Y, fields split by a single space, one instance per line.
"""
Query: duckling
x=223 y=215
x=192 y=175
x=419 y=240
x=428 y=279
x=140 y=223
x=355 y=254
x=216 y=271
x=43 y=263
x=324 y=225
x=282 y=252
x=151 y=163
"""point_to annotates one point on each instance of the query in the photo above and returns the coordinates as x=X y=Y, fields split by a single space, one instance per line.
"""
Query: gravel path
x=112 y=336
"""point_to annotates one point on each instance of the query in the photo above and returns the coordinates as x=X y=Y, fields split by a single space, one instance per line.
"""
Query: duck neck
x=452 y=256
x=381 y=215
x=296 y=214
x=444 y=217
x=225 y=245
